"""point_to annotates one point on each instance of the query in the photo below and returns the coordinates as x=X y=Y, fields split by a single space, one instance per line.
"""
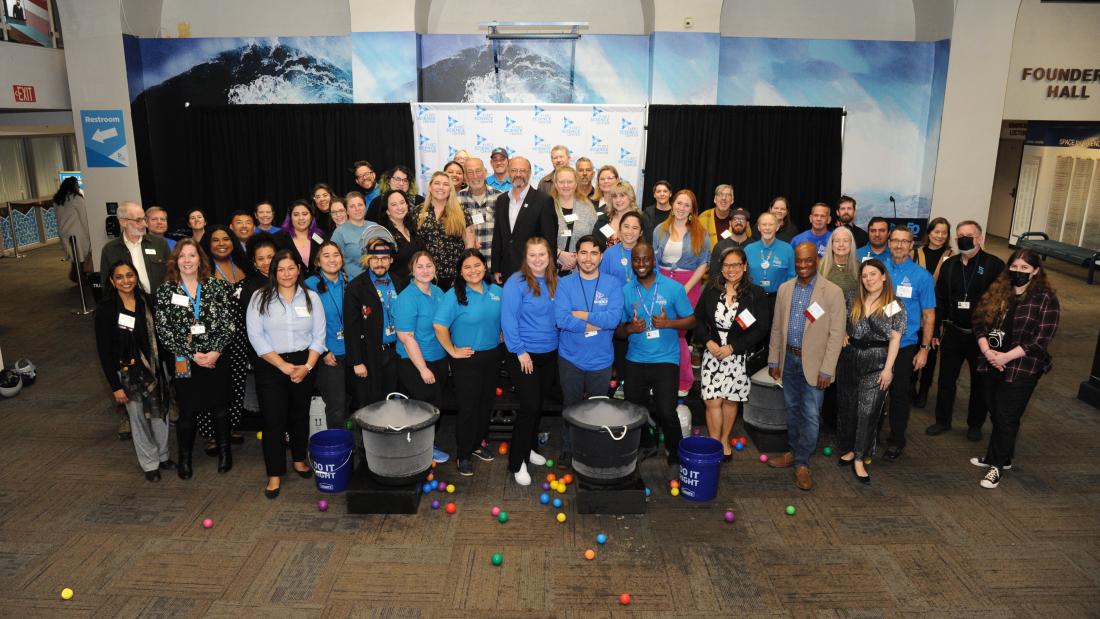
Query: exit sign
x=23 y=93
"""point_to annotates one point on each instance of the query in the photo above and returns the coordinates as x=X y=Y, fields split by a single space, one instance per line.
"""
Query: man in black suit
x=520 y=214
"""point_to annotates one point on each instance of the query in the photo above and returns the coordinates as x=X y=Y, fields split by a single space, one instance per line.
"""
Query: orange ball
x=674 y=483
x=551 y=477
x=590 y=554
x=503 y=449
x=567 y=478
x=431 y=476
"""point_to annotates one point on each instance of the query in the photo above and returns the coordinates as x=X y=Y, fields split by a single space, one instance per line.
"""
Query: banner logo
x=599 y=116
x=569 y=127
x=454 y=126
x=627 y=129
x=536 y=171
x=425 y=114
x=626 y=158
x=425 y=144
x=425 y=171
x=539 y=145
x=540 y=116
x=482 y=115
x=451 y=150
x=598 y=147
x=512 y=126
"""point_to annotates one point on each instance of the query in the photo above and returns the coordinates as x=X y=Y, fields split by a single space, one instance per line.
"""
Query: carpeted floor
x=923 y=539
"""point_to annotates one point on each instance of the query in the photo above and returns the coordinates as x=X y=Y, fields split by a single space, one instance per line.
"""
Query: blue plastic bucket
x=700 y=459
x=331 y=451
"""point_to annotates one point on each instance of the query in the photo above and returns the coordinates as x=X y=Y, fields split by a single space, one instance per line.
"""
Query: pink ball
x=495 y=511
x=322 y=505
x=730 y=517
x=208 y=523
x=763 y=457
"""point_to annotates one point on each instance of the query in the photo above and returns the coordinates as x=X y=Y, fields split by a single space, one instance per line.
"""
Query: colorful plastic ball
x=322 y=505
x=503 y=449
x=828 y=451
x=562 y=488
x=730 y=516
x=546 y=485
x=497 y=558
x=208 y=523
x=557 y=503
x=675 y=483
x=734 y=441
x=601 y=539
x=567 y=478
x=450 y=508
x=624 y=599
x=560 y=517
x=695 y=432
x=675 y=492
x=614 y=384
x=499 y=392
x=589 y=554
x=648 y=491
x=350 y=425
x=431 y=476
x=427 y=487
x=484 y=443
x=550 y=477
x=450 y=488
x=549 y=463
x=435 y=504
x=790 y=510
x=259 y=436
x=763 y=457
x=739 y=446
x=502 y=517
x=544 y=498
x=66 y=594
x=495 y=511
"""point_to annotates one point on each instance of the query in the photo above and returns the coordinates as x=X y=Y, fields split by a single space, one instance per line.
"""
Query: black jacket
x=117 y=346
x=363 y=321
x=536 y=218
x=743 y=340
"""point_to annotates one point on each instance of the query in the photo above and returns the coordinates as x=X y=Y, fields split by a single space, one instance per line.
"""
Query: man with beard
x=559 y=156
x=846 y=217
x=478 y=200
x=878 y=235
x=520 y=214
x=585 y=173
x=738 y=237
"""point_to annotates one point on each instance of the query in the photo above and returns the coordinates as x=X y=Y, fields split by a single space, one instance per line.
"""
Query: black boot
x=225 y=452
x=185 y=440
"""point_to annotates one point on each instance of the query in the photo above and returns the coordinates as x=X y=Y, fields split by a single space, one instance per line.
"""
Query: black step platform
x=367 y=496
x=626 y=497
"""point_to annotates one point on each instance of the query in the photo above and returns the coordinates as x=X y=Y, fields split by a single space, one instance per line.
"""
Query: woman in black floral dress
x=444 y=228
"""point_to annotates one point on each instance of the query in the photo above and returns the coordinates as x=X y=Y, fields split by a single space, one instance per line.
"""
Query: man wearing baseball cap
x=499 y=179
x=739 y=236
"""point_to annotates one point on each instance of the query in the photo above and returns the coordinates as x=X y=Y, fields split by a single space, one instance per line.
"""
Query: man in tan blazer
x=807 y=334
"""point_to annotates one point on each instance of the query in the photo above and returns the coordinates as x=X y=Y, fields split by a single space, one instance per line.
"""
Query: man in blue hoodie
x=587 y=309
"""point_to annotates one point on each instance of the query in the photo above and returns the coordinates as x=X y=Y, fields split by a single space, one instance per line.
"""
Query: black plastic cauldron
x=398 y=436
x=605 y=435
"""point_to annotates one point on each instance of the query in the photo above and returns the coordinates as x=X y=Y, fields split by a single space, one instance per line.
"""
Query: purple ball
x=730 y=517
x=435 y=504
x=545 y=485
x=439 y=485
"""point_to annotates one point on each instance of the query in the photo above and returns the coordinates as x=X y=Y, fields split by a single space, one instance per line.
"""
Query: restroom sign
x=104 y=138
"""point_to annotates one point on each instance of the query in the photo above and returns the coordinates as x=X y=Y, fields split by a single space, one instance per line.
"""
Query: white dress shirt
x=515 y=205
x=137 y=256
x=285 y=328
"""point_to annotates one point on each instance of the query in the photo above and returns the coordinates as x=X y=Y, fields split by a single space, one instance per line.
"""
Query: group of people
x=386 y=290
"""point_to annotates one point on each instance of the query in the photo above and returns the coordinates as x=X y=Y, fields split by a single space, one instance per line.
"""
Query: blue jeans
x=576 y=386
x=803 y=410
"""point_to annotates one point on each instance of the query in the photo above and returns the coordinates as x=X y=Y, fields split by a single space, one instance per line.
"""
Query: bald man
x=522 y=213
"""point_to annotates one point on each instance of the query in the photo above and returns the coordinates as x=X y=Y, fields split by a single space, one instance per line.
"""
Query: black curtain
x=230 y=157
x=763 y=152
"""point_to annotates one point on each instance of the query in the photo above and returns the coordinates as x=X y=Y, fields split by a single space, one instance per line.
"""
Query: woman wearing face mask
x=933 y=250
x=876 y=323
x=329 y=283
x=130 y=359
x=661 y=208
x=1014 y=324
x=575 y=217
x=322 y=204
x=782 y=211
x=305 y=237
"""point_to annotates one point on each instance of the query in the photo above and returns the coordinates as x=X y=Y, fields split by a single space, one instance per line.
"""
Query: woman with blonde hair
x=839 y=264
x=444 y=228
x=621 y=200
x=606 y=178
x=576 y=217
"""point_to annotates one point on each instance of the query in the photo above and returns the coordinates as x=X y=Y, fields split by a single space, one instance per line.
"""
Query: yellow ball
x=562 y=488
x=66 y=594
x=561 y=517
x=450 y=488
x=259 y=436
x=675 y=492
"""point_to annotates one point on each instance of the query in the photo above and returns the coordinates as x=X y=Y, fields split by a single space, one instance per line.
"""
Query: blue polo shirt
x=333 y=301
x=476 y=324
x=914 y=286
x=865 y=253
x=347 y=236
x=770 y=265
x=665 y=293
x=616 y=263
x=602 y=298
x=821 y=241
x=503 y=186
x=413 y=312
x=528 y=320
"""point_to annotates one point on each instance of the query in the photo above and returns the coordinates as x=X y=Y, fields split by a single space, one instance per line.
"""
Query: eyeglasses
x=901 y=241
x=365 y=175
x=740 y=219
x=733 y=265
x=398 y=179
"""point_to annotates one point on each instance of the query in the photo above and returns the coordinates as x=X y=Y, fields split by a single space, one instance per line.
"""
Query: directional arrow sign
x=105 y=138
x=102 y=135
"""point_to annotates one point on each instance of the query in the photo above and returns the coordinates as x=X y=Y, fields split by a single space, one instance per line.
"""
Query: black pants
x=416 y=388
x=956 y=347
x=285 y=408
x=921 y=381
x=664 y=379
x=332 y=383
x=899 y=396
x=475 y=386
x=532 y=389
x=1007 y=403
x=379 y=382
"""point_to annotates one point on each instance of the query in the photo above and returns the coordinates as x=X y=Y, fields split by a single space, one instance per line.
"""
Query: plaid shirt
x=1033 y=326
x=483 y=231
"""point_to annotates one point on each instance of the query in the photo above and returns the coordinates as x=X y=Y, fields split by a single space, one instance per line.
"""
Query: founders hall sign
x=1063 y=83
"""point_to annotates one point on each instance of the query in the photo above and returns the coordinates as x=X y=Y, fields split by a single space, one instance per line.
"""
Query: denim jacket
x=688 y=261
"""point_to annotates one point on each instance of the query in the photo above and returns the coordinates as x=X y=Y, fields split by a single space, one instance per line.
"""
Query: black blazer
x=536 y=218
x=363 y=321
x=743 y=340
x=306 y=265
x=114 y=344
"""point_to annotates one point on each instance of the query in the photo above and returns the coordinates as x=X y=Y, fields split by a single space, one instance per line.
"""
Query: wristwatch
x=926 y=347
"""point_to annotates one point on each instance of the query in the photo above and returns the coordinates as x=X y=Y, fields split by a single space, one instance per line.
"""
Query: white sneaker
x=980 y=463
x=536 y=458
x=992 y=479
x=521 y=476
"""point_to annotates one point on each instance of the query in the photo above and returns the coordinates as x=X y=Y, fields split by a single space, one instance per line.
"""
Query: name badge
x=607 y=230
x=590 y=333
x=623 y=261
x=317 y=238
x=893 y=308
x=745 y=319
x=765 y=283
x=653 y=334
x=820 y=251
x=905 y=292
x=340 y=334
x=726 y=234
x=964 y=304
x=126 y=322
x=570 y=218
x=478 y=219
x=198 y=329
x=865 y=258
x=813 y=312
x=764 y=265
x=567 y=232
x=150 y=252
x=302 y=312
x=237 y=292
x=391 y=330
x=181 y=300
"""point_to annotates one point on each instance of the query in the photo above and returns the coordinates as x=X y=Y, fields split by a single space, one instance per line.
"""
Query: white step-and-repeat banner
x=606 y=134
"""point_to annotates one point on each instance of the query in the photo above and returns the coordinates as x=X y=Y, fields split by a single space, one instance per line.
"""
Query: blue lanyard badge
x=195 y=300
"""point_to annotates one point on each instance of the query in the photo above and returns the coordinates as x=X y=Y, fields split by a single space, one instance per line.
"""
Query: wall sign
x=1080 y=79
x=23 y=93
x=104 y=138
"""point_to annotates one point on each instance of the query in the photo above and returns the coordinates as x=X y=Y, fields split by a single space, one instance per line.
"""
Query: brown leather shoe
x=786 y=461
x=802 y=477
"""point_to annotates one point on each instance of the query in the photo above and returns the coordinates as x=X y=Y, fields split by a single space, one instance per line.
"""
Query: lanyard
x=652 y=301
x=627 y=268
x=195 y=300
x=232 y=269
x=587 y=304
x=339 y=304
x=767 y=259
x=384 y=297
x=967 y=281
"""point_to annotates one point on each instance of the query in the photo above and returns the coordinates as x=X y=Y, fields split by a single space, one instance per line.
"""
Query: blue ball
x=428 y=487
x=557 y=503
x=739 y=446
x=648 y=491
x=601 y=539
x=544 y=498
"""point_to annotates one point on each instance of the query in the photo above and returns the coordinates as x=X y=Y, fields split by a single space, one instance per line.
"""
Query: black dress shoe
x=727 y=457
x=921 y=400
x=272 y=494
x=936 y=429
x=236 y=438
x=892 y=454
x=153 y=475
x=183 y=469
x=306 y=474
x=974 y=435
x=167 y=465
x=125 y=436
x=843 y=462
x=862 y=479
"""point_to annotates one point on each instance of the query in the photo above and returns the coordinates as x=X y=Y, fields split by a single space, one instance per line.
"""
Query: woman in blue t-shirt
x=423 y=365
x=467 y=324
x=330 y=377
x=531 y=336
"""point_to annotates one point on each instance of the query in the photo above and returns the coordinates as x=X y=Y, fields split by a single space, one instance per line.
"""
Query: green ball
x=503 y=517
x=549 y=463
x=790 y=510
x=350 y=425
x=828 y=451
x=498 y=559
